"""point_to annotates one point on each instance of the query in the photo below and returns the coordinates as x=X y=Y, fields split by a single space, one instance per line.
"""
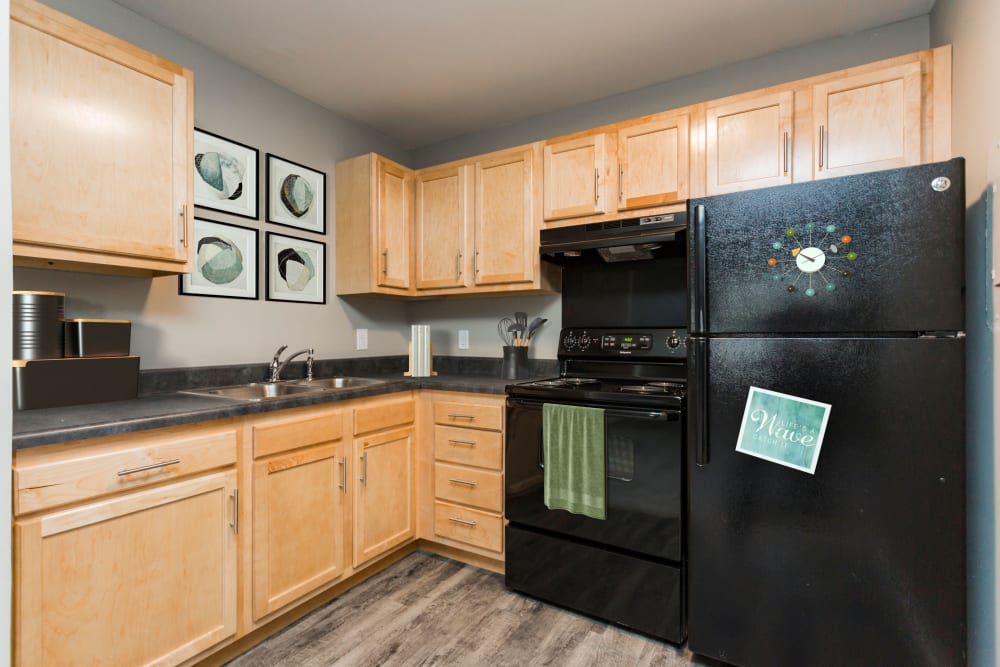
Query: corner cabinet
x=374 y=203
x=384 y=495
x=101 y=149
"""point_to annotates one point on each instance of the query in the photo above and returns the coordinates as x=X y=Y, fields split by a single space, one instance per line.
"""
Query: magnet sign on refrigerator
x=783 y=429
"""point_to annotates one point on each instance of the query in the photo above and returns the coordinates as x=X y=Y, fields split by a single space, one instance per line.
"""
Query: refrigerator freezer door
x=877 y=252
x=861 y=563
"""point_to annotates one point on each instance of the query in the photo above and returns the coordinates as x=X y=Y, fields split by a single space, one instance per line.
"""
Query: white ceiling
x=423 y=71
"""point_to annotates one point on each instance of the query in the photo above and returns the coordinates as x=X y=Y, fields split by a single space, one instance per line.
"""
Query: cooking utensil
x=504 y=330
x=522 y=323
x=534 y=326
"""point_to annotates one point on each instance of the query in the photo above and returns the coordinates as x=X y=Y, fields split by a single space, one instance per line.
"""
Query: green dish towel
x=573 y=446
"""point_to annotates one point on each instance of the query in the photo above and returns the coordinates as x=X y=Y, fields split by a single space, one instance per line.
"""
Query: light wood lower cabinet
x=143 y=578
x=383 y=493
x=299 y=490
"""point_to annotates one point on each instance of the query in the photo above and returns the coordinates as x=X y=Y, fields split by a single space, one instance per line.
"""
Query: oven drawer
x=483 y=449
x=469 y=486
x=468 y=415
x=462 y=524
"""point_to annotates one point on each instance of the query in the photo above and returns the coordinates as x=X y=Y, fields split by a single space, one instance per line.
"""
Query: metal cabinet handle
x=475 y=263
x=364 y=470
x=151 y=466
x=343 y=475
x=461 y=416
x=785 y=152
x=385 y=262
x=470 y=443
x=462 y=481
x=620 y=171
x=462 y=521
x=597 y=176
x=235 y=523
x=184 y=227
x=458 y=263
x=822 y=143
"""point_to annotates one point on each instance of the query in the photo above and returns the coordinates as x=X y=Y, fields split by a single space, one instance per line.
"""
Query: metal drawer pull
x=460 y=416
x=235 y=523
x=462 y=481
x=462 y=521
x=151 y=466
x=364 y=470
x=343 y=475
x=470 y=443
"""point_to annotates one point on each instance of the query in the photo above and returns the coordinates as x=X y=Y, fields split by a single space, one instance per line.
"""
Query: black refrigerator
x=827 y=527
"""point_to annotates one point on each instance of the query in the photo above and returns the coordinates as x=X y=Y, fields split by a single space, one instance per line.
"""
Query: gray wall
x=171 y=330
x=480 y=317
x=971 y=27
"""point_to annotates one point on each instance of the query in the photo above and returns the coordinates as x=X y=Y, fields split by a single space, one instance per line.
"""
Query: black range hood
x=614 y=241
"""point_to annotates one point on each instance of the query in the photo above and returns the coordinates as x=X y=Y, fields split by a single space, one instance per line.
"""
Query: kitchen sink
x=256 y=391
x=337 y=382
x=260 y=391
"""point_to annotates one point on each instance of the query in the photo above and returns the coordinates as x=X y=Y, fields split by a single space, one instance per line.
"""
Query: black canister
x=38 y=324
x=515 y=363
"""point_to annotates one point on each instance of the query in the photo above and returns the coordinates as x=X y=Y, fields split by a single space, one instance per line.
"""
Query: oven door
x=644 y=450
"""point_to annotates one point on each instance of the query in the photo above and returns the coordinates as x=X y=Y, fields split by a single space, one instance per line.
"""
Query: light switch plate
x=362 y=339
x=463 y=339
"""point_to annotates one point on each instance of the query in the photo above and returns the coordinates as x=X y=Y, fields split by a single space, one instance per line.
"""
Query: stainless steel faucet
x=277 y=364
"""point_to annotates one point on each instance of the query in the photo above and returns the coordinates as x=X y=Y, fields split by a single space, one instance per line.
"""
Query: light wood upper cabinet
x=374 y=204
x=867 y=122
x=143 y=578
x=506 y=243
x=101 y=149
x=384 y=512
x=748 y=142
x=653 y=163
x=442 y=227
x=574 y=180
x=299 y=497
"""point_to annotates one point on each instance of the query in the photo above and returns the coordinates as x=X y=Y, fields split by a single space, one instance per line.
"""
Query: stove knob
x=569 y=342
x=584 y=341
x=673 y=342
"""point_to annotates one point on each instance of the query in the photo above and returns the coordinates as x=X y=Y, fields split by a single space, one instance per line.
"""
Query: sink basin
x=337 y=382
x=256 y=391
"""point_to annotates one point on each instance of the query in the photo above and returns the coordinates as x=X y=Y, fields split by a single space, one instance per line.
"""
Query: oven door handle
x=658 y=415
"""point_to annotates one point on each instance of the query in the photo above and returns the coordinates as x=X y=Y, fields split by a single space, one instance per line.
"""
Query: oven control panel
x=611 y=343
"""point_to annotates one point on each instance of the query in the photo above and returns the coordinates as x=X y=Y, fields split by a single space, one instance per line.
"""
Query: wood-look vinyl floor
x=428 y=610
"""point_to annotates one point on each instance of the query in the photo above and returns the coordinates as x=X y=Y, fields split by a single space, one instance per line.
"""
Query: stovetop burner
x=651 y=388
x=564 y=382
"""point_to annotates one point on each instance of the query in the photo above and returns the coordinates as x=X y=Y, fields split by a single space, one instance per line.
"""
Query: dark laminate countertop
x=33 y=428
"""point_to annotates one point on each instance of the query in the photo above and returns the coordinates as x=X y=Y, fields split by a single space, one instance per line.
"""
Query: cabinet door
x=393 y=214
x=506 y=248
x=748 y=143
x=574 y=179
x=442 y=221
x=148 y=577
x=653 y=163
x=383 y=498
x=298 y=510
x=100 y=144
x=867 y=122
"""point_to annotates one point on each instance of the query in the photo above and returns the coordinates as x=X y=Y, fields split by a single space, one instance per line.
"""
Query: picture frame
x=296 y=195
x=296 y=269
x=225 y=261
x=225 y=175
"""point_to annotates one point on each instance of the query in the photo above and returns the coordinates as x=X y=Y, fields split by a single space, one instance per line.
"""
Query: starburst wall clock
x=812 y=265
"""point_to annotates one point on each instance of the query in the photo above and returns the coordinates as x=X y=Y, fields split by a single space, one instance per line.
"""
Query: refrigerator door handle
x=697 y=400
x=699 y=284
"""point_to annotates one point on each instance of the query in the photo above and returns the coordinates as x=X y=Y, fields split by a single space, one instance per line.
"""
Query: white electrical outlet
x=463 y=339
x=362 y=339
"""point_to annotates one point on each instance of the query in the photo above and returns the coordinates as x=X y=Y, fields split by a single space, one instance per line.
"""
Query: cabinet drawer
x=383 y=415
x=462 y=524
x=296 y=432
x=95 y=470
x=468 y=447
x=469 y=486
x=469 y=415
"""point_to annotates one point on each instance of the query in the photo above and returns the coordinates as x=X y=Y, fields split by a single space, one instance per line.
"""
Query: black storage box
x=52 y=383
x=96 y=338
